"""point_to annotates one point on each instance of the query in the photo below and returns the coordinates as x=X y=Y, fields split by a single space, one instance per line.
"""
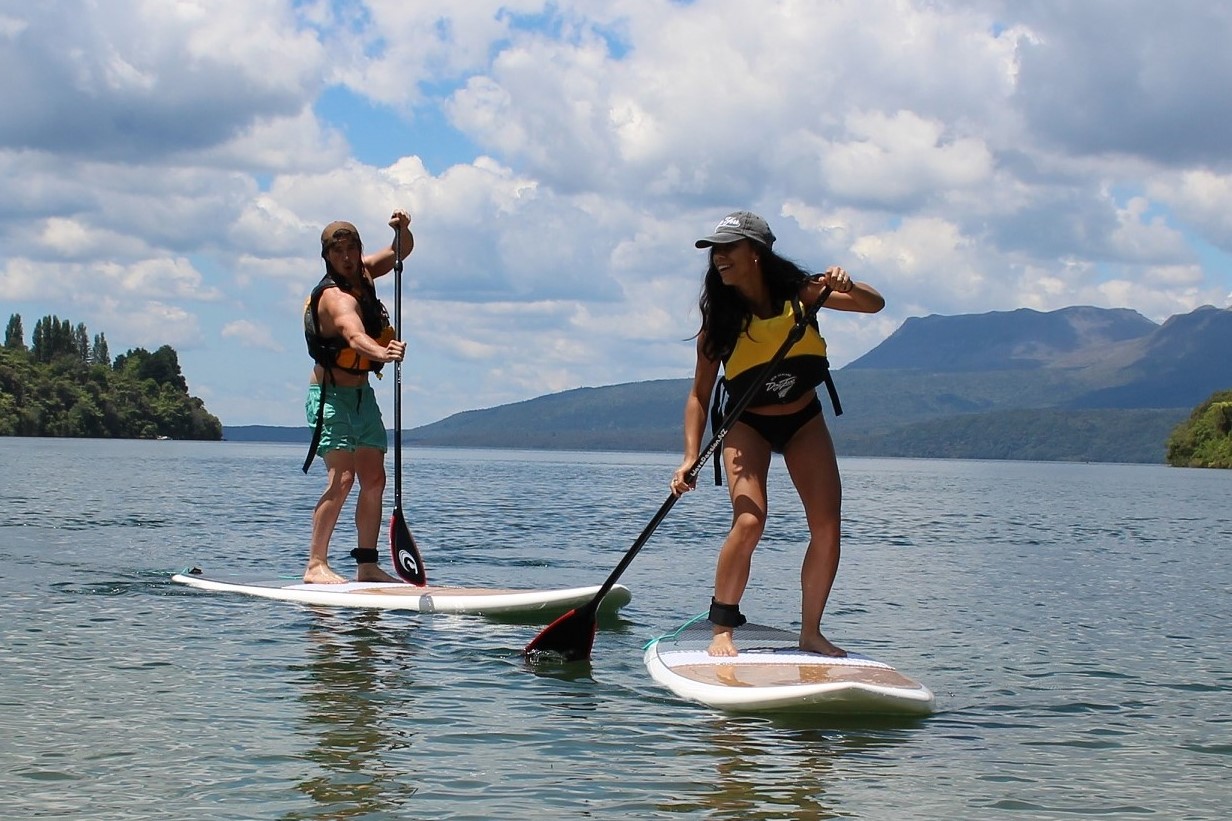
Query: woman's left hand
x=838 y=279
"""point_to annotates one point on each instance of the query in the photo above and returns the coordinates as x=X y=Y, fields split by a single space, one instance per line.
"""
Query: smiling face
x=737 y=264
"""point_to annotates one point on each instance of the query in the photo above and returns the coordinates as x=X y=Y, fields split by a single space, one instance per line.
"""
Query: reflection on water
x=548 y=665
x=1072 y=620
x=782 y=766
x=353 y=662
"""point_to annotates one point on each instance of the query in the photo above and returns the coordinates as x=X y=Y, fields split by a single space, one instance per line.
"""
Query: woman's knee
x=747 y=528
x=824 y=513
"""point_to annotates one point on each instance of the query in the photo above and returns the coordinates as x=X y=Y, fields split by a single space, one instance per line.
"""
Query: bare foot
x=372 y=572
x=820 y=644
x=722 y=645
x=321 y=573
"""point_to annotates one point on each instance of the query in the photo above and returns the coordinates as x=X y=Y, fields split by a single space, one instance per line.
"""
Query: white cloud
x=68 y=238
x=1120 y=77
x=133 y=80
x=1142 y=236
x=928 y=259
x=168 y=170
x=83 y=283
x=20 y=282
x=10 y=27
x=251 y=334
x=1202 y=198
x=901 y=160
x=148 y=324
x=389 y=50
x=280 y=143
x=175 y=278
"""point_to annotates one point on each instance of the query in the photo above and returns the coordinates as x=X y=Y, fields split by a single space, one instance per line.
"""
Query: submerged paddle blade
x=407 y=562
x=571 y=636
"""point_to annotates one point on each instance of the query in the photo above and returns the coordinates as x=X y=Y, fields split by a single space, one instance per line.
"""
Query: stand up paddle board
x=772 y=674
x=400 y=596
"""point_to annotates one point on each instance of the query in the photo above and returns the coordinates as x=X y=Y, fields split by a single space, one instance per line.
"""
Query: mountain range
x=1075 y=384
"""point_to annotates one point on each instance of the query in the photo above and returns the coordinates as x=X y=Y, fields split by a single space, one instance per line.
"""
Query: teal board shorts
x=352 y=419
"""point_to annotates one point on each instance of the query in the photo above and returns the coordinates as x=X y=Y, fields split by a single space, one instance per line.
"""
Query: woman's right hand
x=680 y=483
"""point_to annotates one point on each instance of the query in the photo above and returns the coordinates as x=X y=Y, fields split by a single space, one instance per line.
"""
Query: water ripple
x=1065 y=689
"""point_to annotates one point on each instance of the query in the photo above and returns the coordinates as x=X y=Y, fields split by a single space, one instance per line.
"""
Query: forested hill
x=1079 y=383
x=66 y=384
x=1205 y=439
x=1076 y=384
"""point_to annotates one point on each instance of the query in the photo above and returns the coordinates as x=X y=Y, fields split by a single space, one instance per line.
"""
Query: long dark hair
x=725 y=314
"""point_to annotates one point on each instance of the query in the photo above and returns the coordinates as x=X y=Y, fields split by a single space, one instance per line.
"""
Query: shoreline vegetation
x=66 y=384
x=1204 y=440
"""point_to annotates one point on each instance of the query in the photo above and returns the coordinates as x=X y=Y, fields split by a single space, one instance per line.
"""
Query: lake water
x=1072 y=619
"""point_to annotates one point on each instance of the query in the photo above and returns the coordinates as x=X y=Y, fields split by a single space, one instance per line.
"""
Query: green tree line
x=1205 y=439
x=66 y=384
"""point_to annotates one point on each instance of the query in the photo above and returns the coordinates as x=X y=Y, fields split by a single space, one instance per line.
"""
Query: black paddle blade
x=407 y=562
x=571 y=636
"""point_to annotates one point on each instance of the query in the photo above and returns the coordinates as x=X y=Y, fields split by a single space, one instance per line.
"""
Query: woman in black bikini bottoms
x=750 y=300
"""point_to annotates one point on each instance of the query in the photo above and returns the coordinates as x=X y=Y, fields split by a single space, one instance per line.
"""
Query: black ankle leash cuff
x=365 y=555
x=726 y=615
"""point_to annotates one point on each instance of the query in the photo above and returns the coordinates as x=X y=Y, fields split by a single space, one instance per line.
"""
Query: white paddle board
x=771 y=674
x=401 y=596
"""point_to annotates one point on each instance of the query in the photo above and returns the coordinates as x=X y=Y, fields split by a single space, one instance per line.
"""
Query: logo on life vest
x=781 y=384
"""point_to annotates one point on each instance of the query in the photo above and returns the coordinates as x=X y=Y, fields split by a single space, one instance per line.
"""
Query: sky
x=168 y=166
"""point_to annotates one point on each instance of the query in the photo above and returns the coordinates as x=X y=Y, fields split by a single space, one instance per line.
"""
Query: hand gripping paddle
x=573 y=634
x=407 y=562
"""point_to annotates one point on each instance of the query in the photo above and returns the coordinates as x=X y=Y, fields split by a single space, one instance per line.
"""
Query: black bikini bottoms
x=778 y=430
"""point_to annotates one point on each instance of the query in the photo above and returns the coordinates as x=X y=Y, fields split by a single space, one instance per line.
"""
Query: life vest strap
x=320 y=426
x=716 y=418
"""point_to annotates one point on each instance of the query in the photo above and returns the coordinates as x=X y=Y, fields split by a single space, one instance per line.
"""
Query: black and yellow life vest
x=803 y=368
x=332 y=351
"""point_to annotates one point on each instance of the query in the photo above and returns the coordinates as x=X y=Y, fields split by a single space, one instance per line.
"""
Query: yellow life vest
x=803 y=369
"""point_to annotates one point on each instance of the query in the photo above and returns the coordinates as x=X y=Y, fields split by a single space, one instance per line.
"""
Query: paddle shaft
x=729 y=419
x=407 y=562
x=398 y=368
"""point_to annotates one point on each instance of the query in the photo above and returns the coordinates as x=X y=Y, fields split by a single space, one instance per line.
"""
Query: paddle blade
x=571 y=636
x=407 y=562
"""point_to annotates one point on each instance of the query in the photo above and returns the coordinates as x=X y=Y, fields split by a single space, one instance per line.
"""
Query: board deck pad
x=402 y=596
x=771 y=673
